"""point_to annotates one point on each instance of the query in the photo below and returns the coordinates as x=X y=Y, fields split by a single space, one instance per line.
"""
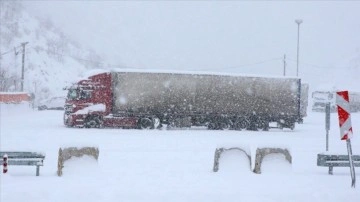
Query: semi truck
x=148 y=100
x=320 y=98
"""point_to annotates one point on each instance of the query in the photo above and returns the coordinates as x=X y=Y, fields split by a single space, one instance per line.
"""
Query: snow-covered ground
x=171 y=165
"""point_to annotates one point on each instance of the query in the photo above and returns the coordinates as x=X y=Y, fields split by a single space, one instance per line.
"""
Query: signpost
x=327 y=124
x=346 y=133
x=5 y=163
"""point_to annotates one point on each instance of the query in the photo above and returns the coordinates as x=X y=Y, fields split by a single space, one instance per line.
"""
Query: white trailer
x=215 y=101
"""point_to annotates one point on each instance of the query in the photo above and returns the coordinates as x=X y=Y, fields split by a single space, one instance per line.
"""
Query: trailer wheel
x=93 y=121
x=292 y=127
x=157 y=123
x=241 y=124
x=263 y=125
x=146 y=123
x=225 y=124
x=170 y=125
x=212 y=126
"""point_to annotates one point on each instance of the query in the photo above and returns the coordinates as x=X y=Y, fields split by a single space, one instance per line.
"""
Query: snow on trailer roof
x=13 y=93
x=99 y=71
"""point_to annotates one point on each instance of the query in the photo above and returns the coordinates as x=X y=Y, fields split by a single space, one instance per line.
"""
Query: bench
x=24 y=159
x=333 y=160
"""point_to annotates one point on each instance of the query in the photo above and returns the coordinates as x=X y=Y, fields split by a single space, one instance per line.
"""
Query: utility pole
x=16 y=82
x=284 y=65
x=298 y=22
x=23 y=65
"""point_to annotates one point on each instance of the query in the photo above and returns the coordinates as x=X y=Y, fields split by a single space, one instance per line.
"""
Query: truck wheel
x=280 y=125
x=241 y=124
x=157 y=123
x=225 y=124
x=266 y=126
x=146 y=123
x=170 y=125
x=92 y=122
x=212 y=126
x=263 y=125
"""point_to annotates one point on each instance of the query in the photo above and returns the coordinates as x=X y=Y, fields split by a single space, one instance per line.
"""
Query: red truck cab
x=89 y=104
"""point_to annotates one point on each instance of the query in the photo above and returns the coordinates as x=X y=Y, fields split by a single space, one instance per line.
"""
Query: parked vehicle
x=149 y=100
x=54 y=103
x=321 y=98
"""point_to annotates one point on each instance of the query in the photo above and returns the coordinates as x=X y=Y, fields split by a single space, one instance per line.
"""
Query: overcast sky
x=231 y=36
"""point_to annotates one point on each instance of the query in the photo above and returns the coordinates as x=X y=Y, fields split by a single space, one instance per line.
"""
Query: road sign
x=342 y=101
x=346 y=133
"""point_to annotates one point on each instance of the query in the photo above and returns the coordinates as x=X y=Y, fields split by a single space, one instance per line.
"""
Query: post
x=352 y=169
x=298 y=22
x=284 y=65
x=23 y=65
x=218 y=151
x=37 y=170
x=327 y=124
x=5 y=163
x=346 y=133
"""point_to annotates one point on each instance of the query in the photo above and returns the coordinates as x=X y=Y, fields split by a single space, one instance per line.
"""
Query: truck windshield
x=72 y=94
x=76 y=94
x=85 y=94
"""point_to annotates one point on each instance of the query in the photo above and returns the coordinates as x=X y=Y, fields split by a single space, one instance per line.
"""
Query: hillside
x=52 y=59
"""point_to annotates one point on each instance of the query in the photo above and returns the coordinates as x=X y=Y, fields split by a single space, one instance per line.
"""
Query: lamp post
x=23 y=64
x=298 y=22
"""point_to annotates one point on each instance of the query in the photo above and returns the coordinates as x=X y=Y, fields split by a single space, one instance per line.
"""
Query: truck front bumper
x=74 y=120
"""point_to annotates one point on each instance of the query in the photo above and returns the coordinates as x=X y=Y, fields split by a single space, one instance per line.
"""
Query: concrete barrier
x=66 y=154
x=262 y=152
x=218 y=153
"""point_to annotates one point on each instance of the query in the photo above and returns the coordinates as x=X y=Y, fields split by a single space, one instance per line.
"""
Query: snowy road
x=172 y=165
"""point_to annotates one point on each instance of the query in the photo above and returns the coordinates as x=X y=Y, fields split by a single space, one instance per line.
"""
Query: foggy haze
x=241 y=37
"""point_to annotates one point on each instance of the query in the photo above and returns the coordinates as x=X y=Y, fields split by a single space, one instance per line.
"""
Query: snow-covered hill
x=52 y=59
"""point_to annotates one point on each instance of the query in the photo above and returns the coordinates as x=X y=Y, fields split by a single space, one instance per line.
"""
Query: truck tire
x=219 y=126
x=93 y=121
x=157 y=123
x=212 y=126
x=225 y=124
x=241 y=124
x=145 y=123
x=170 y=125
x=292 y=126
x=263 y=125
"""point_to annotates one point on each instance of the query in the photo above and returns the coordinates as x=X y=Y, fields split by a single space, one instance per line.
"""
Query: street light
x=298 y=22
x=23 y=64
